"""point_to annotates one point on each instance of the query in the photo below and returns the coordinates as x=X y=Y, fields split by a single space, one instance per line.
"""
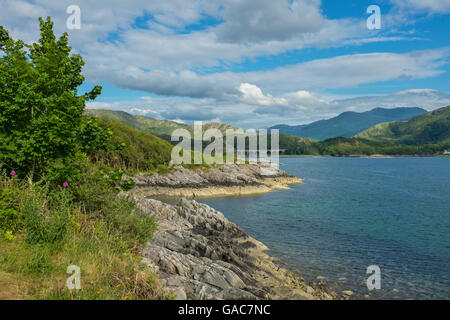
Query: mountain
x=430 y=128
x=160 y=128
x=427 y=134
x=349 y=123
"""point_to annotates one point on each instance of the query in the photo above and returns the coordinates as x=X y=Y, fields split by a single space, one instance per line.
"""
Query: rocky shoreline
x=226 y=180
x=199 y=254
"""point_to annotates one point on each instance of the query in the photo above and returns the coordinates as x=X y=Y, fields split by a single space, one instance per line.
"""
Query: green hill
x=430 y=128
x=298 y=146
x=160 y=128
x=131 y=148
x=380 y=139
x=348 y=124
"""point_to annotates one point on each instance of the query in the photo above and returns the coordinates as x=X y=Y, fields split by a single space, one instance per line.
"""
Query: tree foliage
x=40 y=109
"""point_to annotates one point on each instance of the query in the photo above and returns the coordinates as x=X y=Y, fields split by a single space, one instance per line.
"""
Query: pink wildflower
x=13 y=173
x=65 y=185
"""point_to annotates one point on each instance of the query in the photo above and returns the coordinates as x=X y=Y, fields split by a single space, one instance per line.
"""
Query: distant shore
x=374 y=156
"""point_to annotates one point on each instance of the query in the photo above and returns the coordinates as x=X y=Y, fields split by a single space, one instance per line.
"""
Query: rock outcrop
x=199 y=254
x=225 y=180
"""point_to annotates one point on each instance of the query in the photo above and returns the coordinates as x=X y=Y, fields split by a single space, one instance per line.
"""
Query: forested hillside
x=433 y=127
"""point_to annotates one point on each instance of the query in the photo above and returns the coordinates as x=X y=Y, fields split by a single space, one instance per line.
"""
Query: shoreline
x=221 y=181
x=378 y=156
x=267 y=185
x=198 y=252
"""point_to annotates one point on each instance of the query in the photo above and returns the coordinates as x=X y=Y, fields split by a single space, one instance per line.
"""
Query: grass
x=45 y=228
x=86 y=225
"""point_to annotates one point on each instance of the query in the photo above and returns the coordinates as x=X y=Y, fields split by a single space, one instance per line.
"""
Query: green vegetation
x=40 y=110
x=160 y=128
x=341 y=146
x=427 y=134
x=297 y=146
x=43 y=230
x=60 y=176
x=348 y=124
x=431 y=128
x=358 y=146
x=131 y=148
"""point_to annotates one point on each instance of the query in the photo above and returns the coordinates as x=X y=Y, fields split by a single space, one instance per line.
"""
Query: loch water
x=351 y=213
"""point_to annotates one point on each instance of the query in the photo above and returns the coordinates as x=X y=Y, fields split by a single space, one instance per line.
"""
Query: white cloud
x=265 y=20
x=253 y=95
x=144 y=112
x=159 y=59
x=178 y=121
x=352 y=70
x=427 y=99
x=299 y=108
x=337 y=72
x=432 y=6
x=162 y=61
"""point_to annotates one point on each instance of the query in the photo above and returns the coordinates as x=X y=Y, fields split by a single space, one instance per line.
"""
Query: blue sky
x=252 y=63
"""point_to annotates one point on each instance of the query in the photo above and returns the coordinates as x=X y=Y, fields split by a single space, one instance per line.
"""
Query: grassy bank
x=44 y=230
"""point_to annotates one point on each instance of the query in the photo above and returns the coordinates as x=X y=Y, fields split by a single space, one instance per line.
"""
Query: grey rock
x=226 y=175
x=197 y=252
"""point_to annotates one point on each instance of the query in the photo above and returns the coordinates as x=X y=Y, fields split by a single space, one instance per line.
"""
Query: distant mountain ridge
x=432 y=127
x=427 y=134
x=349 y=123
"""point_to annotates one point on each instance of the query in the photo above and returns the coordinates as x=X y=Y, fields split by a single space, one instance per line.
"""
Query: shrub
x=11 y=216
x=92 y=137
x=47 y=216
x=98 y=196
x=131 y=149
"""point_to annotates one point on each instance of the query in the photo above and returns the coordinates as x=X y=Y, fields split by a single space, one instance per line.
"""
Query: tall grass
x=44 y=229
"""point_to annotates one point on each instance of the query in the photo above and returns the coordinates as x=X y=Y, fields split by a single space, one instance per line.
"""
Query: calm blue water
x=351 y=213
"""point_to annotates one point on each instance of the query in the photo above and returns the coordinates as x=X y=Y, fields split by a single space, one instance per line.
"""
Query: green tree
x=40 y=109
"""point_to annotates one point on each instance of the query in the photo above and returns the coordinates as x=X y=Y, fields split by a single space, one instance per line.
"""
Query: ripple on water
x=351 y=213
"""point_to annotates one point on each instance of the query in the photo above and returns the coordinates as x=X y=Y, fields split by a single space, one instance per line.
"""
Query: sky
x=252 y=63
